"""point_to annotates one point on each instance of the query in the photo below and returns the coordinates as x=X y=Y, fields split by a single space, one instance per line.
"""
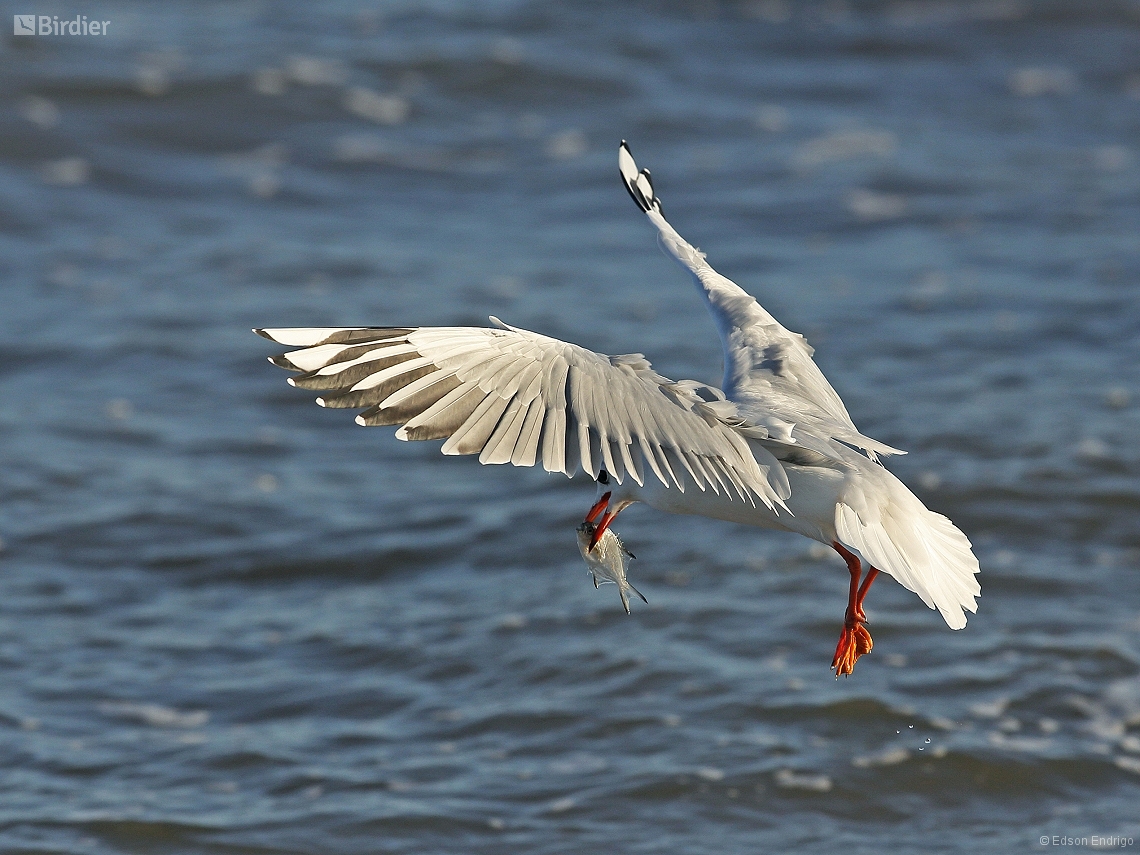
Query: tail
x=623 y=586
x=892 y=530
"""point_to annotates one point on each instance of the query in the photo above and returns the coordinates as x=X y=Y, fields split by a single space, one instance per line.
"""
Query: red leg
x=856 y=570
x=872 y=573
x=854 y=641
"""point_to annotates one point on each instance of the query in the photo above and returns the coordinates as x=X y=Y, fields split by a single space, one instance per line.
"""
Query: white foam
x=561 y=805
x=796 y=781
x=376 y=106
x=1128 y=764
x=990 y=709
x=155 y=715
x=886 y=757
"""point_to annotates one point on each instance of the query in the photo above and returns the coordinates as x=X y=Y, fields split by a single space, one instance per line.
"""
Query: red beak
x=597 y=510
x=598 y=507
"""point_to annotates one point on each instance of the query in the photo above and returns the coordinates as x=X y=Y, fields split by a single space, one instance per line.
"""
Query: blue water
x=233 y=622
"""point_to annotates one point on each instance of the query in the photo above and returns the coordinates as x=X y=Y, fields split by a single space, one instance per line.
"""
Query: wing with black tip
x=768 y=370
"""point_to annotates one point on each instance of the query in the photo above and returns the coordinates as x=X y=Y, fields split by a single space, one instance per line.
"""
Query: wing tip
x=639 y=184
x=277 y=335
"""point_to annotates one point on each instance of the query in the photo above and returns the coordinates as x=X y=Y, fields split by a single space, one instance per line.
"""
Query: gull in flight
x=774 y=447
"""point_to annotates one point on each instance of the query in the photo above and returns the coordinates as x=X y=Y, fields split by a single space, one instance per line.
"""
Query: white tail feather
x=923 y=550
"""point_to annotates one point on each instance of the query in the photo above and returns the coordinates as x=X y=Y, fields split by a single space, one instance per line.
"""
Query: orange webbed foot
x=854 y=641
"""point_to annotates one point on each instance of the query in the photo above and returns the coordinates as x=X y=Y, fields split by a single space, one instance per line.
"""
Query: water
x=234 y=622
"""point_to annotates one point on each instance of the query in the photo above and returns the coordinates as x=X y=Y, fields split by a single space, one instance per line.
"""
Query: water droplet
x=921 y=748
x=928 y=740
x=898 y=731
x=911 y=726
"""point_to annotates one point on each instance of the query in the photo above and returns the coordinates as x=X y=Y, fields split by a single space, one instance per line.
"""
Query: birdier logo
x=51 y=25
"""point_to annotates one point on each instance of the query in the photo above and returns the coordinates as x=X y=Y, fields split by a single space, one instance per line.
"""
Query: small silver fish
x=607 y=561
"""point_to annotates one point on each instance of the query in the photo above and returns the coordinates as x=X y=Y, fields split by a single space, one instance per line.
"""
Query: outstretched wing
x=768 y=371
x=513 y=396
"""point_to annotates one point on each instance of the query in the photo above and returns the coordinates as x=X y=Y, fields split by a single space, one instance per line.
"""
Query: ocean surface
x=233 y=622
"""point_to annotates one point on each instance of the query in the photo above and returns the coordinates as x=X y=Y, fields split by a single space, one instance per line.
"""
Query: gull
x=774 y=447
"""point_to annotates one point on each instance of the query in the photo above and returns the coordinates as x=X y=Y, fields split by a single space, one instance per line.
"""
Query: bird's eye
x=603 y=477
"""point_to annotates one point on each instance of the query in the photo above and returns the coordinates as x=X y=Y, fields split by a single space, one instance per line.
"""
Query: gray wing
x=769 y=373
x=513 y=396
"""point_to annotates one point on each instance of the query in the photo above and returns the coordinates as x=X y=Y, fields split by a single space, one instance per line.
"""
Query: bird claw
x=854 y=641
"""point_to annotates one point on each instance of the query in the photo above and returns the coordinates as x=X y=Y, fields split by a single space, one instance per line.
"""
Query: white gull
x=774 y=447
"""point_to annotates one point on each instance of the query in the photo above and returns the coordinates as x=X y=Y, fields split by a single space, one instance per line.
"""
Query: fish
x=607 y=561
